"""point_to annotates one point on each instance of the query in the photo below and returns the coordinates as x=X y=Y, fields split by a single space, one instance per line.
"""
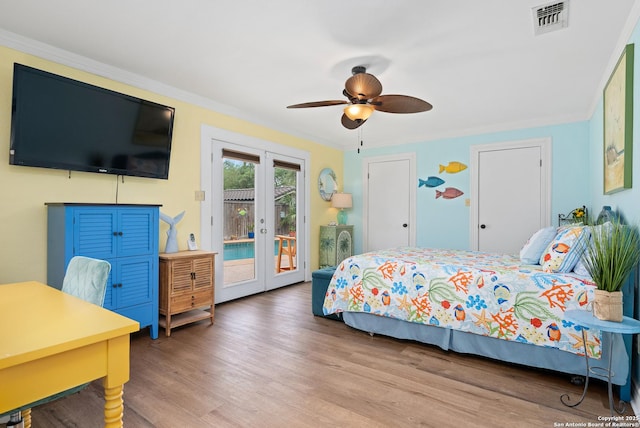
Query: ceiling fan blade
x=363 y=86
x=400 y=104
x=351 y=124
x=319 y=104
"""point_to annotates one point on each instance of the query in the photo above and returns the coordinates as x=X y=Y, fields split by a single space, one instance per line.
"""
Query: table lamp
x=341 y=201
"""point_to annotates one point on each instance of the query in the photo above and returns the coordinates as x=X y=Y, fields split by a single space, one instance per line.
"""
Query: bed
x=493 y=305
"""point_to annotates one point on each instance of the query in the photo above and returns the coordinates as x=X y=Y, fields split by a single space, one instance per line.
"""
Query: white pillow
x=533 y=248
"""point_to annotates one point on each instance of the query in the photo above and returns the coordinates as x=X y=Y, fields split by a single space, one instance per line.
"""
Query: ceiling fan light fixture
x=358 y=112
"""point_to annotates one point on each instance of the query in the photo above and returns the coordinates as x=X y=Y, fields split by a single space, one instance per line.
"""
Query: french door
x=257 y=222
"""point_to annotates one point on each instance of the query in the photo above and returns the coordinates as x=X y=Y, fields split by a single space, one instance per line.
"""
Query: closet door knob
x=483 y=226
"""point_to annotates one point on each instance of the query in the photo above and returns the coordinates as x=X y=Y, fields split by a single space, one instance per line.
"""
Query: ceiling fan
x=363 y=93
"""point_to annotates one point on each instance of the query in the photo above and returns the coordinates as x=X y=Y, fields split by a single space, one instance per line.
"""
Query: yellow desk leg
x=113 y=407
x=26 y=418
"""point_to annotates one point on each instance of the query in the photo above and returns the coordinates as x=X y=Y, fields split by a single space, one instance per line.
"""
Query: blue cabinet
x=124 y=235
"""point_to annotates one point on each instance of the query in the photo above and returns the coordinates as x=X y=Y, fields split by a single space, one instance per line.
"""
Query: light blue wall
x=445 y=223
x=626 y=202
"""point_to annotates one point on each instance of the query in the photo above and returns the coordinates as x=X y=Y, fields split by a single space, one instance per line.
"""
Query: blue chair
x=85 y=278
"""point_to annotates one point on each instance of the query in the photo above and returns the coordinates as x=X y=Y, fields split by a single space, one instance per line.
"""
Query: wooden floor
x=268 y=362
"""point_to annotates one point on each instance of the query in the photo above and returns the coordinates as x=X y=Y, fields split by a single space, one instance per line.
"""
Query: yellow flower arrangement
x=579 y=215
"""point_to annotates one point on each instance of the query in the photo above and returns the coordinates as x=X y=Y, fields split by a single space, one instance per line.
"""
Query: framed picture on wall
x=618 y=124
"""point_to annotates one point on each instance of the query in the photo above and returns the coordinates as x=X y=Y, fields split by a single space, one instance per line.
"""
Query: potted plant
x=610 y=258
x=250 y=232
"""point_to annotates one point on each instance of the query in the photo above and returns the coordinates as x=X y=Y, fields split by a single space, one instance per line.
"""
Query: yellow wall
x=24 y=190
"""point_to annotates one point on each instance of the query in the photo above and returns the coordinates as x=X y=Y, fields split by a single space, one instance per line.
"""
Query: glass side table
x=586 y=319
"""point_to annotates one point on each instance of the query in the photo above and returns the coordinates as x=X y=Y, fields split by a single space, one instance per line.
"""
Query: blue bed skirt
x=510 y=351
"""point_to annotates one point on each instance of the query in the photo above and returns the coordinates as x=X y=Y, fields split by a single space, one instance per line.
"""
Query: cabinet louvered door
x=130 y=283
x=203 y=273
x=181 y=276
x=94 y=237
x=134 y=232
x=134 y=281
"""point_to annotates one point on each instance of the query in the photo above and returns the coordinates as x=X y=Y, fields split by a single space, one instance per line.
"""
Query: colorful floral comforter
x=482 y=293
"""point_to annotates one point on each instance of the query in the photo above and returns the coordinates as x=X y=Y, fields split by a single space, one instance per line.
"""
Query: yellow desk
x=51 y=341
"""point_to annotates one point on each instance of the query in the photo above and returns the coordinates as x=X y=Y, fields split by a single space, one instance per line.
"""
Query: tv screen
x=61 y=123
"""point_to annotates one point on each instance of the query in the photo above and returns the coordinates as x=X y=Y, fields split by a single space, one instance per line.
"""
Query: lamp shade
x=358 y=111
x=341 y=200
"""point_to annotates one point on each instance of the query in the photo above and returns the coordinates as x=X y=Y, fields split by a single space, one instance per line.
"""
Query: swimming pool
x=243 y=249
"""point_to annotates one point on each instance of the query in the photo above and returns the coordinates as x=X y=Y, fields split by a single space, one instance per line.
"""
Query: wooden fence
x=240 y=215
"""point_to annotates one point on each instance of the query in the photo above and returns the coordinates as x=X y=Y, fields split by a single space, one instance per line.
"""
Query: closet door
x=389 y=202
x=510 y=194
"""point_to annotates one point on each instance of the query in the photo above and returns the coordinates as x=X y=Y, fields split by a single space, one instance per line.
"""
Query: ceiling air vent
x=550 y=17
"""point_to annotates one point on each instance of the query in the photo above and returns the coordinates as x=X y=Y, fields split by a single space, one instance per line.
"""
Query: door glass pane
x=286 y=218
x=239 y=219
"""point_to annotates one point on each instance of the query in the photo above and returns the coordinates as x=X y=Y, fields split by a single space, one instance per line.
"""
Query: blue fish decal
x=430 y=182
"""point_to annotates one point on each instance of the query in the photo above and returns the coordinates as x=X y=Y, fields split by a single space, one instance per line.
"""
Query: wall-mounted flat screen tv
x=61 y=123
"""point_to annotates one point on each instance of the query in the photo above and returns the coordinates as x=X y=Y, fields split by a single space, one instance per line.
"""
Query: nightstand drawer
x=186 y=302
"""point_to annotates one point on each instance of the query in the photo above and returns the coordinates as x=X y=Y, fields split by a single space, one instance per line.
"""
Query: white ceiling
x=477 y=62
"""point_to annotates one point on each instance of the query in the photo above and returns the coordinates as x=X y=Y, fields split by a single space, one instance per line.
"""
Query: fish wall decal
x=430 y=182
x=453 y=167
x=449 y=193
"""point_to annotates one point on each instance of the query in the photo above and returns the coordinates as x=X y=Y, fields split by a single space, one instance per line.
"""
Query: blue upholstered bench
x=320 y=280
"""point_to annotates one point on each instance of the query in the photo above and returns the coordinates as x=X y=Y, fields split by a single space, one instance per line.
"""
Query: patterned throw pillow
x=532 y=250
x=562 y=254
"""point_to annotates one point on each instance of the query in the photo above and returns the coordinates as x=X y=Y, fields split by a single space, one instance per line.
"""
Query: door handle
x=405 y=225
x=483 y=226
